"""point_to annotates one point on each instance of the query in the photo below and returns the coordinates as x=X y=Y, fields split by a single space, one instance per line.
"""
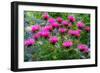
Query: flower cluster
x=56 y=32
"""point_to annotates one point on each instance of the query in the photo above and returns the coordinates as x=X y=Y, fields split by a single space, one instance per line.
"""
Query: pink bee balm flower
x=65 y=23
x=69 y=24
x=87 y=50
x=47 y=28
x=67 y=44
x=83 y=48
x=74 y=33
x=71 y=18
x=45 y=16
x=87 y=28
x=55 y=25
x=80 y=25
x=29 y=42
x=62 y=30
x=45 y=34
x=59 y=19
x=36 y=36
x=51 y=20
x=53 y=39
x=35 y=27
x=77 y=33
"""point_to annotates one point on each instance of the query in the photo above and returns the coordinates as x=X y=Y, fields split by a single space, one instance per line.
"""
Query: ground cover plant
x=56 y=36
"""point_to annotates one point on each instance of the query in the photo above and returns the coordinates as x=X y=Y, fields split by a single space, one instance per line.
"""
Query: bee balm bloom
x=55 y=25
x=36 y=36
x=65 y=23
x=62 y=30
x=59 y=19
x=80 y=25
x=75 y=33
x=51 y=20
x=45 y=16
x=35 y=28
x=87 y=28
x=47 y=28
x=29 y=42
x=45 y=34
x=67 y=44
x=53 y=39
x=83 y=48
x=71 y=18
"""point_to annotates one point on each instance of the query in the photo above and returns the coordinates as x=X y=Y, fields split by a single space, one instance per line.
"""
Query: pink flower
x=75 y=33
x=69 y=24
x=83 y=48
x=29 y=42
x=62 y=30
x=47 y=28
x=80 y=25
x=45 y=34
x=55 y=25
x=59 y=19
x=36 y=36
x=87 y=28
x=65 y=23
x=53 y=39
x=71 y=32
x=67 y=44
x=45 y=16
x=71 y=18
x=35 y=27
x=51 y=20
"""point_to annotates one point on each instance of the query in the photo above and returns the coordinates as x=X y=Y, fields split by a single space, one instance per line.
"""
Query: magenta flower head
x=53 y=39
x=55 y=25
x=80 y=25
x=45 y=16
x=65 y=23
x=83 y=48
x=69 y=24
x=51 y=20
x=62 y=30
x=47 y=28
x=71 y=32
x=59 y=19
x=75 y=33
x=29 y=42
x=87 y=28
x=36 y=36
x=45 y=34
x=67 y=44
x=35 y=27
x=71 y=18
